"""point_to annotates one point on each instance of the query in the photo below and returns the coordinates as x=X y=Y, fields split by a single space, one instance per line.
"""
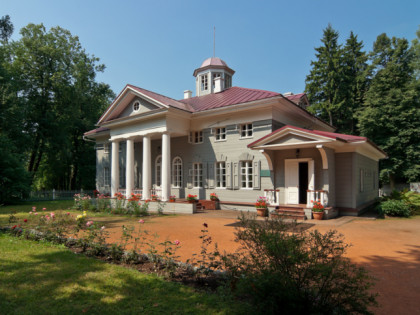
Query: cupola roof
x=213 y=63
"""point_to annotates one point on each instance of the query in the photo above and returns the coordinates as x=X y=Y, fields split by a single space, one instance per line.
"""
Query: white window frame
x=107 y=176
x=136 y=104
x=247 y=129
x=247 y=175
x=215 y=75
x=197 y=175
x=158 y=171
x=204 y=82
x=195 y=137
x=220 y=134
x=228 y=81
x=177 y=172
x=220 y=175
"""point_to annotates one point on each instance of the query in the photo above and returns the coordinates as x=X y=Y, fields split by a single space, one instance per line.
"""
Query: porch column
x=166 y=166
x=129 y=175
x=147 y=167
x=115 y=167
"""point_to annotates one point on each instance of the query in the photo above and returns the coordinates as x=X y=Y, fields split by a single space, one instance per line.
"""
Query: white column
x=166 y=166
x=129 y=175
x=115 y=167
x=147 y=167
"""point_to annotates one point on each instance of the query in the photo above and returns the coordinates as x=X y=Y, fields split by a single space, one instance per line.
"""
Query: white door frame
x=287 y=168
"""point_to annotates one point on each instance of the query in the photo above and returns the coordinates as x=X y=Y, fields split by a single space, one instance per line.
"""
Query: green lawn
x=40 y=278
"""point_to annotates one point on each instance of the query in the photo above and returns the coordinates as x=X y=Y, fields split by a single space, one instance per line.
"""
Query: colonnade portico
x=146 y=167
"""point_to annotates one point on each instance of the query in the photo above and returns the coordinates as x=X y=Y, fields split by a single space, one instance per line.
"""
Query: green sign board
x=265 y=173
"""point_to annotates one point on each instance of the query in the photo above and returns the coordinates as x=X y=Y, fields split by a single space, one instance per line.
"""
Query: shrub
x=296 y=273
x=398 y=208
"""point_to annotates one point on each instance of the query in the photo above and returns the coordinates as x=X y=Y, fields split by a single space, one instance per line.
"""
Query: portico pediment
x=291 y=139
x=130 y=102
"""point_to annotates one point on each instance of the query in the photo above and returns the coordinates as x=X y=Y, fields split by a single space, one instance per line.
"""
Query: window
x=136 y=106
x=221 y=174
x=221 y=134
x=228 y=81
x=197 y=175
x=177 y=172
x=214 y=76
x=158 y=170
x=106 y=148
x=196 y=137
x=122 y=177
x=246 y=131
x=121 y=146
x=138 y=179
x=246 y=174
x=204 y=82
x=107 y=176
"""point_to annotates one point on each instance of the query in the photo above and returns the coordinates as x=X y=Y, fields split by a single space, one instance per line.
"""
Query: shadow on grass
x=25 y=207
x=58 y=281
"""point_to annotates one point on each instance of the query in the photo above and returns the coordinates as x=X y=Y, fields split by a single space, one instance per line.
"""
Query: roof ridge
x=137 y=87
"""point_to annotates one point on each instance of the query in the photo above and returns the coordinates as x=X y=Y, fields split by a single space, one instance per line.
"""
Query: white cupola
x=207 y=76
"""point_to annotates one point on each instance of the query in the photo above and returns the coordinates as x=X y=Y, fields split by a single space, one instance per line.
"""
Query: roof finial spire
x=214 y=41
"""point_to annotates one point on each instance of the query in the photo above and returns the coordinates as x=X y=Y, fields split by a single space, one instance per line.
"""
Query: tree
x=355 y=83
x=390 y=115
x=6 y=28
x=323 y=84
x=60 y=100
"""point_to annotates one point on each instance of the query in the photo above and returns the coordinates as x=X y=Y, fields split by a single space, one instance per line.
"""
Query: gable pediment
x=130 y=103
x=291 y=139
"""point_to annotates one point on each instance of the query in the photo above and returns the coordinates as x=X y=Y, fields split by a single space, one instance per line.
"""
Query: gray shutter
x=210 y=175
x=256 y=174
x=190 y=176
x=229 y=175
x=236 y=175
x=205 y=181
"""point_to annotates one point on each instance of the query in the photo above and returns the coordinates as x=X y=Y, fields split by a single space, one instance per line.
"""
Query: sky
x=157 y=44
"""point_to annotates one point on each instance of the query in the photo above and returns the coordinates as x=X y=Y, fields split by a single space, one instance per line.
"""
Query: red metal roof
x=231 y=96
x=95 y=131
x=163 y=99
x=295 y=96
x=336 y=136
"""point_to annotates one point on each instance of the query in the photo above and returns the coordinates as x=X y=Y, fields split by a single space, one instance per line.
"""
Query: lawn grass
x=40 y=278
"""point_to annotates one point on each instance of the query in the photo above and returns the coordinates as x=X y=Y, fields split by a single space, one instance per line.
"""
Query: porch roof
x=314 y=137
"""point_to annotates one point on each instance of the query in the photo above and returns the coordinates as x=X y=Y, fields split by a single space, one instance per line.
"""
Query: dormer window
x=136 y=106
x=204 y=82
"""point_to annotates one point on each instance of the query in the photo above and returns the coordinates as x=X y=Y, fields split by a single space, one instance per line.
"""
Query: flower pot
x=318 y=215
x=191 y=201
x=262 y=212
x=171 y=200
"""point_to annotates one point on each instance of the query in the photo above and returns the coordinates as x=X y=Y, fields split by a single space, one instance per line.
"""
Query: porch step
x=199 y=206
x=289 y=213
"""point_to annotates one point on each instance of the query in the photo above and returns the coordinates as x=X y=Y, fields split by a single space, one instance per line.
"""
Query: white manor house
x=238 y=142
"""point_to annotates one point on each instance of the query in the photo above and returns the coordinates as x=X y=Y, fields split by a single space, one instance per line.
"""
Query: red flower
x=14 y=227
x=26 y=220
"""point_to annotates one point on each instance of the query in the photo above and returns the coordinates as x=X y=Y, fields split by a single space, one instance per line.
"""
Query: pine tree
x=326 y=78
x=391 y=113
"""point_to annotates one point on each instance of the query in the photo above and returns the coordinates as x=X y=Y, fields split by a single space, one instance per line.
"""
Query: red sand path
x=389 y=248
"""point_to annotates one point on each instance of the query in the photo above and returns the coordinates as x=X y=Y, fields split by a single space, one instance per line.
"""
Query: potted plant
x=192 y=198
x=155 y=197
x=171 y=198
x=317 y=210
x=213 y=197
x=261 y=206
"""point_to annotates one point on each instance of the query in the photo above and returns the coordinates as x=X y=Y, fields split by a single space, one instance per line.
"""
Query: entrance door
x=292 y=181
x=303 y=182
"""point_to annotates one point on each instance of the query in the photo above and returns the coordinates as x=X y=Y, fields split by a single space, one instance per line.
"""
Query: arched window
x=177 y=172
x=158 y=170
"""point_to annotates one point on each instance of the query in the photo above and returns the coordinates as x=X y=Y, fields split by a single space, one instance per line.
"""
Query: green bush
x=285 y=270
x=397 y=208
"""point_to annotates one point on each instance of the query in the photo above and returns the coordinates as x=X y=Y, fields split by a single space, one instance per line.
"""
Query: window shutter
x=229 y=175
x=205 y=181
x=256 y=174
x=190 y=176
x=235 y=175
x=210 y=175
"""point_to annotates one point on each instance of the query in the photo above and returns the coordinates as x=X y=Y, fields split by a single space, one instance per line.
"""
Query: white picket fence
x=44 y=195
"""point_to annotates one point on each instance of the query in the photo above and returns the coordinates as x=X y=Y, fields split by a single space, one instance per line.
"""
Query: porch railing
x=157 y=192
x=272 y=196
x=321 y=195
